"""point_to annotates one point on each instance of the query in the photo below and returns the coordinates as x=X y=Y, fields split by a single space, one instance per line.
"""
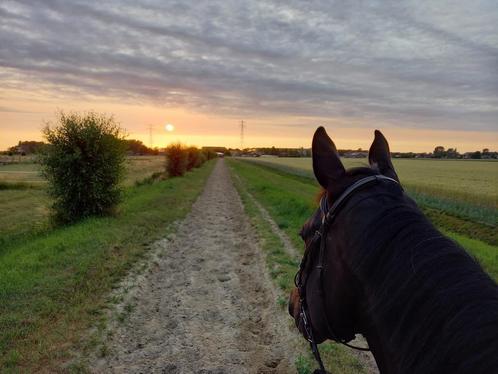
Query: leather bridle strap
x=329 y=214
x=328 y=217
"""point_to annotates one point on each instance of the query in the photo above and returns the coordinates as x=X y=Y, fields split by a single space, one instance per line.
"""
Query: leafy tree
x=476 y=155
x=27 y=147
x=439 y=152
x=84 y=164
x=452 y=153
x=136 y=147
x=176 y=160
x=195 y=158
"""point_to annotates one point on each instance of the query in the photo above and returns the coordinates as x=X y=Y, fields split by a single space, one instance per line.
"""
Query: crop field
x=288 y=191
x=137 y=168
x=464 y=188
x=24 y=204
x=468 y=180
x=291 y=197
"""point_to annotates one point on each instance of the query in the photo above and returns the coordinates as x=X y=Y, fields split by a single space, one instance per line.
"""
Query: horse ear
x=380 y=157
x=327 y=165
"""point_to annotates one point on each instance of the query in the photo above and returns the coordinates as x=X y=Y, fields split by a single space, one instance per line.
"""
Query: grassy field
x=24 y=204
x=53 y=283
x=471 y=180
x=290 y=200
x=22 y=173
x=465 y=188
x=137 y=168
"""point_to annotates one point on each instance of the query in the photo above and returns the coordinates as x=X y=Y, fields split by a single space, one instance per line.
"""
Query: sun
x=169 y=127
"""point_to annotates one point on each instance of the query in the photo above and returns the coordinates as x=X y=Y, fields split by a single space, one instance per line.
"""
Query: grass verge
x=52 y=285
x=290 y=201
x=480 y=211
x=280 y=265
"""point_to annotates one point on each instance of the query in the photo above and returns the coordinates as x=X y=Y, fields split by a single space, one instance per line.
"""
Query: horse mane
x=352 y=172
x=433 y=299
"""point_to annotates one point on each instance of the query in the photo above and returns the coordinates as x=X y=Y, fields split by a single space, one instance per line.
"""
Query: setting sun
x=169 y=127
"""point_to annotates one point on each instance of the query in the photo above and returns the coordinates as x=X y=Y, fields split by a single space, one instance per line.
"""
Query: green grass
x=24 y=204
x=485 y=254
x=22 y=212
x=53 y=284
x=472 y=181
x=141 y=167
x=21 y=173
x=462 y=188
x=290 y=201
x=137 y=168
x=280 y=266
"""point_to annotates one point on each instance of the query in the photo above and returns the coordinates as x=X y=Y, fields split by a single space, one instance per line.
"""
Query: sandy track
x=206 y=304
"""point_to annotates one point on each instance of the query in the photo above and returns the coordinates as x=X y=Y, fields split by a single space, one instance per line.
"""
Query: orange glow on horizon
x=28 y=112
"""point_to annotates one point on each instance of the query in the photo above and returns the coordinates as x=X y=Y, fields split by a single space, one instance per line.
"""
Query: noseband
x=319 y=239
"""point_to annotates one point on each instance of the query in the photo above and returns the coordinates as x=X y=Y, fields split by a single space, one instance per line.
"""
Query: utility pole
x=149 y=127
x=241 y=135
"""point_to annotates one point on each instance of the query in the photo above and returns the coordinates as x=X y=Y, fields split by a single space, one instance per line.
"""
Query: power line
x=242 y=134
x=150 y=128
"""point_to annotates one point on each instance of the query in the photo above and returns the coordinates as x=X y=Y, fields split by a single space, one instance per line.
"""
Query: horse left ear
x=327 y=165
x=379 y=156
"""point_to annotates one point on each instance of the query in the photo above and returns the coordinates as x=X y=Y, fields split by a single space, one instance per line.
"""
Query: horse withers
x=374 y=265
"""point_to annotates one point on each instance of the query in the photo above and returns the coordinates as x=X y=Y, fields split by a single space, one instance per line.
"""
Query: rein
x=320 y=235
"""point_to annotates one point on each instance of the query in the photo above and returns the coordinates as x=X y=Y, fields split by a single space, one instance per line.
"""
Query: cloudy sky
x=424 y=72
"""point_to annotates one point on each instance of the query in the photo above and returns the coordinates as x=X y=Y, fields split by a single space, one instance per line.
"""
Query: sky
x=423 y=72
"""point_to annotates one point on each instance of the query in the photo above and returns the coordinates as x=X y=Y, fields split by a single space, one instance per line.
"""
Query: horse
x=374 y=265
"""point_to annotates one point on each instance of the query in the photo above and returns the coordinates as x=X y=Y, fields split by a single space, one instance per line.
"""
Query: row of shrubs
x=180 y=159
x=84 y=164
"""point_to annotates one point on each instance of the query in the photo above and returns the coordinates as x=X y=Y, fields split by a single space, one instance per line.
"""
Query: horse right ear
x=327 y=165
x=379 y=156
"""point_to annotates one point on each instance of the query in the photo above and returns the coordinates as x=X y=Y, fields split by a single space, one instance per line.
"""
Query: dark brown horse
x=376 y=266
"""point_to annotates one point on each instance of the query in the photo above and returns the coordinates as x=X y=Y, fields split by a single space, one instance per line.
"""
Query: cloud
x=409 y=64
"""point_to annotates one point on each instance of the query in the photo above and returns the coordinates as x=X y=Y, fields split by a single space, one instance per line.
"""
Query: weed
x=303 y=365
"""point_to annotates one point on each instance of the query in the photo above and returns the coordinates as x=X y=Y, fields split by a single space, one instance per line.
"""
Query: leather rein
x=329 y=215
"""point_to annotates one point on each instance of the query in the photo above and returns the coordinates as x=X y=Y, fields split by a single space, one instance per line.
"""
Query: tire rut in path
x=206 y=305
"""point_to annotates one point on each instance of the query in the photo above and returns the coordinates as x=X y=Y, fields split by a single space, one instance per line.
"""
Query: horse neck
x=389 y=272
x=378 y=345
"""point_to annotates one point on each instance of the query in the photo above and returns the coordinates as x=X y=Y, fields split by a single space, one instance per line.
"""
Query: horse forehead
x=312 y=224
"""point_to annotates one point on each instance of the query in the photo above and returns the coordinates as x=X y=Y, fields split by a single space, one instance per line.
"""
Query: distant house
x=356 y=154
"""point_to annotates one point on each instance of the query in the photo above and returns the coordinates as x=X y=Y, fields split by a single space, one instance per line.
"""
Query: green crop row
x=469 y=192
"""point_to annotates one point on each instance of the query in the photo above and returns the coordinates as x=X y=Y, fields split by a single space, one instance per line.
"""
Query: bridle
x=319 y=239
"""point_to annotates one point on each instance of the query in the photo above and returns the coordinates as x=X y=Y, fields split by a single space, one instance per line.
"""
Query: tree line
x=133 y=147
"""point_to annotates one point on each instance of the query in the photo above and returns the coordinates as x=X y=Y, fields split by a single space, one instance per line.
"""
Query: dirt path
x=206 y=304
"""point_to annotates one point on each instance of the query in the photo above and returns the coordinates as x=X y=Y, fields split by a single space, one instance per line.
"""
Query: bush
x=195 y=158
x=202 y=159
x=84 y=164
x=176 y=160
x=209 y=155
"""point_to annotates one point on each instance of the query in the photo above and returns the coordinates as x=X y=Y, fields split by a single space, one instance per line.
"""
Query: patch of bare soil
x=205 y=304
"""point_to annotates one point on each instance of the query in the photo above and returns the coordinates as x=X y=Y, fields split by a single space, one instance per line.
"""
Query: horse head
x=373 y=264
x=327 y=300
